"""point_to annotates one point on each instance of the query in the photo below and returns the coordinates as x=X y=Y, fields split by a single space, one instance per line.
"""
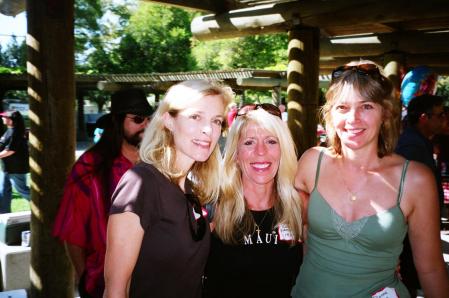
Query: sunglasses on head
x=367 y=69
x=267 y=107
x=196 y=219
x=138 y=119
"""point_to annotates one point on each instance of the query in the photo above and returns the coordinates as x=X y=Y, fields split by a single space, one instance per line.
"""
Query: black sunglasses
x=196 y=219
x=267 y=107
x=367 y=69
x=139 y=119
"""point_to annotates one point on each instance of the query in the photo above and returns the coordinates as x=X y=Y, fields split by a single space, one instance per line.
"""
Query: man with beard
x=83 y=213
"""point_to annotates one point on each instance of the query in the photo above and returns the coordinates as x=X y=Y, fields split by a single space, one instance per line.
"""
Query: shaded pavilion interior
x=322 y=35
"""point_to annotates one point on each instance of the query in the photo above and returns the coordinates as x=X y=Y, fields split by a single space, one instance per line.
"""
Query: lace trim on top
x=347 y=230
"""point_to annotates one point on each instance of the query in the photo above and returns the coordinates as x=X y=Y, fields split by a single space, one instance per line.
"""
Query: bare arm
x=424 y=231
x=124 y=239
x=77 y=256
x=304 y=181
x=6 y=153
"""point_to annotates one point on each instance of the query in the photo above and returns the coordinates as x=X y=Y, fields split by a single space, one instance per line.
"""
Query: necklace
x=258 y=225
x=352 y=194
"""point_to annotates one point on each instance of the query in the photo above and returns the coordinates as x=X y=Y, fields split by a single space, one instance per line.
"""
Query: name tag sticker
x=284 y=233
x=386 y=293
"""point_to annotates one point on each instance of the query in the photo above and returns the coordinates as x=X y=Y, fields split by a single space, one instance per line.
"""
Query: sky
x=12 y=26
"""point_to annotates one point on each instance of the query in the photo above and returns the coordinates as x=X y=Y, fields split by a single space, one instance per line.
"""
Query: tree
x=261 y=52
x=13 y=57
x=157 y=39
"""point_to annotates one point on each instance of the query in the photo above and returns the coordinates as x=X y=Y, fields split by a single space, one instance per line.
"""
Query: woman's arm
x=124 y=239
x=304 y=181
x=424 y=230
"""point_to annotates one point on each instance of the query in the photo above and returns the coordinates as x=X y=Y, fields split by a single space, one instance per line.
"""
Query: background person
x=83 y=213
x=255 y=249
x=364 y=198
x=425 y=118
x=158 y=238
x=15 y=159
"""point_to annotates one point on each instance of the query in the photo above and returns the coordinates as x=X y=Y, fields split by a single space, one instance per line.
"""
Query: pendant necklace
x=352 y=194
x=257 y=225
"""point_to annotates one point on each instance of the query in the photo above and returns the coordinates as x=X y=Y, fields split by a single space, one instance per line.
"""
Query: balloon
x=418 y=81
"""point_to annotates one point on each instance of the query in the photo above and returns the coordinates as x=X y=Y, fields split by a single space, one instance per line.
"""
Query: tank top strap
x=318 y=166
x=401 y=185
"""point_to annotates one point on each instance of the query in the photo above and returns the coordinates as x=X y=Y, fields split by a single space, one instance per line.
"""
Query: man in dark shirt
x=425 y=118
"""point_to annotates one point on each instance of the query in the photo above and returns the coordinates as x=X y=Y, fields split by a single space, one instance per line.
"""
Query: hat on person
x=7 y=114
x=130 y=101
x=104 y=121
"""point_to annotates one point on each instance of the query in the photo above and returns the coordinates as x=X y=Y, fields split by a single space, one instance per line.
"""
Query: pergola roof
x=417 y=29
x=239 y=79
x=350 y=29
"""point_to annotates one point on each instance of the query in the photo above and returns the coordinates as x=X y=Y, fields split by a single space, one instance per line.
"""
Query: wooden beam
x=211 y=6
x=408 y=42
x=279 y=17
x=12 y=7
x=412 y=60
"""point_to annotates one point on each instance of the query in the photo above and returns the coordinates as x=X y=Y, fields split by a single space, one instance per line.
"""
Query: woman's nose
x=260 y=148
x=207 y=129
x=353 y=115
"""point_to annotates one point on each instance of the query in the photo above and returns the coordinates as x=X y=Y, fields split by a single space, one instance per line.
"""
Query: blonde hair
x=378 y=90
x=232 y=217
x=157 y=147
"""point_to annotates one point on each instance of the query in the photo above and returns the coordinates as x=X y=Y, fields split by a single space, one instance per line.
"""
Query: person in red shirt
x=83 y=213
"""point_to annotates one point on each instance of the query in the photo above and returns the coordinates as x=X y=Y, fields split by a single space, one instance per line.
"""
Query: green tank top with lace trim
x=351 y=259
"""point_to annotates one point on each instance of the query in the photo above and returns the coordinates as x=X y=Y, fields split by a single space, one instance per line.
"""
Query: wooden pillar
x=80 y=121
x=302 y=91
x=51 y=91
x=276 y=95
x=2 y=97
x=394 y=65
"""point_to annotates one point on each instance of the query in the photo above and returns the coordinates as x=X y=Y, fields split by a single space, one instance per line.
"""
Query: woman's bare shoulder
x=313 y=153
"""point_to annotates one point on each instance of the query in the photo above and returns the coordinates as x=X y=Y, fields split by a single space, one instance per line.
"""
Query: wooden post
x=394 y=63
x=81 y=122
x=302 y=91
x=394 y=67
x=276 y=95
x=51 y=91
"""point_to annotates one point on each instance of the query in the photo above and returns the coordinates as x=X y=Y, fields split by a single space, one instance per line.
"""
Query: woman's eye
x=248 y=142
x=272 y=141
x=218 y=122
x=340 y=108
x=368 y=107
x=195 y=117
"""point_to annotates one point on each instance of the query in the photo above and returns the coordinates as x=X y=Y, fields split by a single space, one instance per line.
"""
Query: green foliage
x=99 y=97
x=259 y=52
x=18 y=203
x=443 y=88
x=157 y=39
x=13 y=57
x=215 y=55
x=21 y=95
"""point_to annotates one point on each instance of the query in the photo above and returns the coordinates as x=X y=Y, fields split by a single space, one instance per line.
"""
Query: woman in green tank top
x=361 y=198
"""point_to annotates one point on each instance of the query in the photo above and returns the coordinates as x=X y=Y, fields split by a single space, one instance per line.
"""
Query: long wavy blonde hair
x=157 y=147
x=232 y=216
